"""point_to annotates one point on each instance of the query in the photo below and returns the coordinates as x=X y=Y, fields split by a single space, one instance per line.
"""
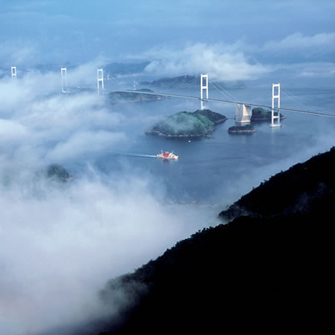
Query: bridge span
x=189 y=97
x=243 y=113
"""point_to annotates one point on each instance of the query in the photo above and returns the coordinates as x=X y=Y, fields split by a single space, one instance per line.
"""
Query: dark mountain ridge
x=304 y=188
x=267 y=270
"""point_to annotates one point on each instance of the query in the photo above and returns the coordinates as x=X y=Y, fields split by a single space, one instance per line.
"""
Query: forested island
x=262 y=114
x=267 y=268
x=244 y=129
x=200 y=123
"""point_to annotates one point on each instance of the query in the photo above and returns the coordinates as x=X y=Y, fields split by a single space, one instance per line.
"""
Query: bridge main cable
x=226 y=102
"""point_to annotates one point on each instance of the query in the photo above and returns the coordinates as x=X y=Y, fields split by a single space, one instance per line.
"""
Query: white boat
x=167 y=155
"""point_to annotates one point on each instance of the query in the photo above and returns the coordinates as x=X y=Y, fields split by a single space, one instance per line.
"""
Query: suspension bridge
x=243 y=110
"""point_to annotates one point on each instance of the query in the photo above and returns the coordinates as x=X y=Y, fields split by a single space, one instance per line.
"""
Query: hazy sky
x=253 y=36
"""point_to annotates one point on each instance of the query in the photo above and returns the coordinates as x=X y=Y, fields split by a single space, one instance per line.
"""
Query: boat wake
x=140 y=155
x=136 y=155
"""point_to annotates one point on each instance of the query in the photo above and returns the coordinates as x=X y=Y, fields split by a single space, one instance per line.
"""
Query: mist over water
x=60 y=242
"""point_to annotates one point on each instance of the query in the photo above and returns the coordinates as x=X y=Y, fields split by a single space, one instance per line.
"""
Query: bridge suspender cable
x=100 y=86
x=228 y=102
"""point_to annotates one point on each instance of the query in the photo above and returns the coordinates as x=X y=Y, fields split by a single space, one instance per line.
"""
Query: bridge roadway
x=224 y=102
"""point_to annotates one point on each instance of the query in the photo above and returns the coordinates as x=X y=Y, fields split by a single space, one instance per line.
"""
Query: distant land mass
x=188 y=124
x=268 y=269
x=189 y=82
x=134 y=96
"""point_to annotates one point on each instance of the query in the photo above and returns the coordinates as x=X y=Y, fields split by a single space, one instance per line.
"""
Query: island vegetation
x=242 y=129
x=305 y=188
x=188 y=124
x=267 y=268
x=262 y=114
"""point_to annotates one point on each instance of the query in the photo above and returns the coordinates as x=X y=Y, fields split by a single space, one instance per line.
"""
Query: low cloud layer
x=245 y=61
x=300 y=43
x=61 y=242
x=219 y=61
x=58 y=250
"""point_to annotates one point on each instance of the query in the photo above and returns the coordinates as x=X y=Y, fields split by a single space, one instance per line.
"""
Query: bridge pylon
x=203 y=87
x=13 y=71
x=63 y=74
x=243 y=114
x=275 y=113
x=100 y=80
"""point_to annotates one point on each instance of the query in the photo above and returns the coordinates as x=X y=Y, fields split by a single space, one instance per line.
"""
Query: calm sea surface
x=218 y=170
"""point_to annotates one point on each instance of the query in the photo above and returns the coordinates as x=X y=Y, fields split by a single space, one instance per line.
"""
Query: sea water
x=220 y=169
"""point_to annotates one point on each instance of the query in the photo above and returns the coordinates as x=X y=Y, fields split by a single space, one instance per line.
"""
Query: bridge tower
x=63 y=74
x=243 y=114
x=203 y=87
x=275 y=113
x=100 y=80
x=13 y=71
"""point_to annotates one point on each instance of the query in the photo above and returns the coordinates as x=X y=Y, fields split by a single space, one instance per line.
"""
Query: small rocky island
x=200 y=123
x=245 y=129
x=58 y=173
x=262 y=114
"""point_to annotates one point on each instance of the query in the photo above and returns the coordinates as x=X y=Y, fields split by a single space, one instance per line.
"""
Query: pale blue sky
x=262 y=31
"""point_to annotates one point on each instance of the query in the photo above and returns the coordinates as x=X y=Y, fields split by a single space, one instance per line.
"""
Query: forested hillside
x=268 y=270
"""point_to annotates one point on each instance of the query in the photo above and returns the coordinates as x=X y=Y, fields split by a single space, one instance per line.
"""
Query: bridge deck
x=225 y=102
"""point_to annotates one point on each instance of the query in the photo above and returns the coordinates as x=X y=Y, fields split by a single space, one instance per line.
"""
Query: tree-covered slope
x=304 y=188
x=270 y=272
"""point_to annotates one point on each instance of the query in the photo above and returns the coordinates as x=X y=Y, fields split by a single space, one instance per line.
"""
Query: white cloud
x=58 y=251
x=73 y=124
x=19 y=52
x=238 y=61
x=317 y=70
x=298 y=42
x=86 y=143
x=219 y=61
x=10 y=131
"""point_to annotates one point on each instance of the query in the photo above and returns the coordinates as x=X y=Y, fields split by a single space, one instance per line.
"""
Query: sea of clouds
x=60 y=242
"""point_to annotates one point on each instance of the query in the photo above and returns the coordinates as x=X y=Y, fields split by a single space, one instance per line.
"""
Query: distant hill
x=268 y=270
x=189 y=82
x=140 y=95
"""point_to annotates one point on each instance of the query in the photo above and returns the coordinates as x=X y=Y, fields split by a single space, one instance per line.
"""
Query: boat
x=167 y=155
